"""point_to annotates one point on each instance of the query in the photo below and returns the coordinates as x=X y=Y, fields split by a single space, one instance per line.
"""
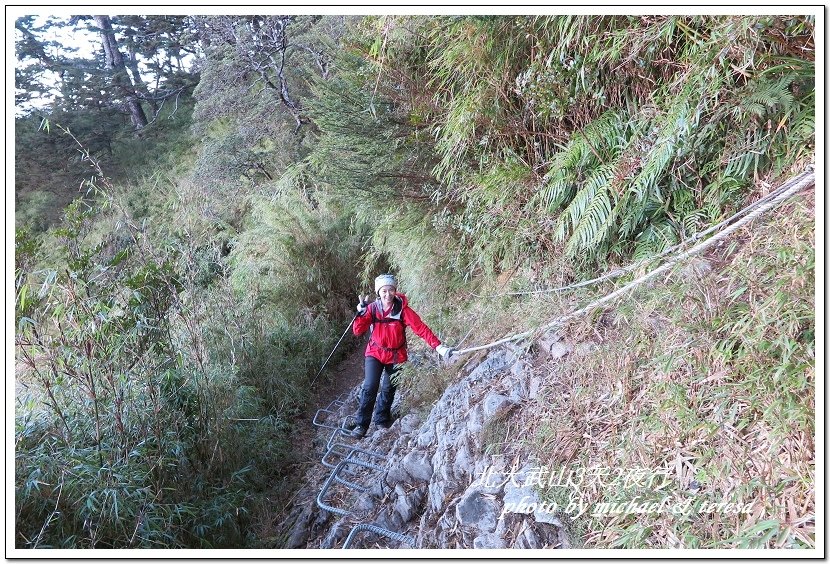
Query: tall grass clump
x=99 y=461
x=698 y=394
x=159 y=377
x=600 y=138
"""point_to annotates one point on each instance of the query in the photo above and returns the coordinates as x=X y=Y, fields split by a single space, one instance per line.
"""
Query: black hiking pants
x=377 y=375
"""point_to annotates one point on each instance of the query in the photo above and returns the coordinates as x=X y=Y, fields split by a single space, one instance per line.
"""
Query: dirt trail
x=337 y=380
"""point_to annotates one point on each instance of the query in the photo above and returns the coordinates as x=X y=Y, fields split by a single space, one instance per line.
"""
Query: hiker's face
x=387 y=294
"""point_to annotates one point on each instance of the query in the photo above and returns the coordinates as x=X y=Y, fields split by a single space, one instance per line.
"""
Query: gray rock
x=475 y=420
x=426 y=437
x=396 y=474
x=441 y=540
x=447 y=521
x=478 y=511
x=409 y=423
x=336 y=533
x=548 y=339
x=559 y=350
x=378 y=489
x=490 y=540
x=440 y=492
x=445 y=472
x=417 y=465
x=471 y=364
x=491 y=484
x=520 y=370
x=364 y=504
x=520 y=500
x=400 y=491
x=300 y=530
x=407 y=503
x=496 y=361
x=552 y=344
x=528 y=539
x=486 y=463
x=435 y=495
x=518 y=392
x=543 y=516
x=463 y=465
x=320 y=519
x=494 y=404
x=389 y=519
x=520 y=494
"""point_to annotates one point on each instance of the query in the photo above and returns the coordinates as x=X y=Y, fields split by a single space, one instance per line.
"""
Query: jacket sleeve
x=411 y=319
x=362 y=322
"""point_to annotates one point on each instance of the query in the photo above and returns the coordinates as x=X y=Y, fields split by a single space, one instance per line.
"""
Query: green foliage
x=49 y=168
x=52 y=168
x=163 y=144
x=502 y=238
x=297 y=257
x=685 y=380
x=362 y=154
x=131 y=448
x=253 y=93
x=27 y=252
x=96 y=452
x=168 y=327
x=628 y=128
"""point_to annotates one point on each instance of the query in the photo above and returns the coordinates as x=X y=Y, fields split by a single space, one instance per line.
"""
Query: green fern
x=605 y=135
x=762 y=97
x=655 y=238
x=581 y=203
x=624 y=131
x=591 y=224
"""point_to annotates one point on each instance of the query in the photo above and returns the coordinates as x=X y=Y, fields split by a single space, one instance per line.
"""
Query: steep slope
x=429 y=485
x=681 y=417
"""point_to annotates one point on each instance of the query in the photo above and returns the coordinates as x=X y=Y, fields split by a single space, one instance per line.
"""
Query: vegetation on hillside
x=170 y=320
x=697 y=394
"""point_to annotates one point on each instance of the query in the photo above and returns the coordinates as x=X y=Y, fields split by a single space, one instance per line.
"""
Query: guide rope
x=786 y=190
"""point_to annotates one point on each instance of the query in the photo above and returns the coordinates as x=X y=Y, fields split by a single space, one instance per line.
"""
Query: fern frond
x=655 y=238
x=693 y=221
x=590 y=225
x=762 y=98
x=573 y=214
x=559 y=188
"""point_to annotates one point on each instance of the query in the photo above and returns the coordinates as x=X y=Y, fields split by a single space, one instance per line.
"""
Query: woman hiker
x=387 y=317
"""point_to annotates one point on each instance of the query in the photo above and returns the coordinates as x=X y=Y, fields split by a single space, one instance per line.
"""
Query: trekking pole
x=332 y=350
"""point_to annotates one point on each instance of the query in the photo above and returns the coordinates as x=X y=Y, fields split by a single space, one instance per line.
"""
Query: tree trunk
x=120 y=77
x=132 y=64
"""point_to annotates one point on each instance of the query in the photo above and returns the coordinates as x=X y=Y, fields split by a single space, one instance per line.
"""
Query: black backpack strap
x=397 y=308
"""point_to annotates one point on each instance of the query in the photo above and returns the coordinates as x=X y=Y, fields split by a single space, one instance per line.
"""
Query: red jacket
x=387 y=342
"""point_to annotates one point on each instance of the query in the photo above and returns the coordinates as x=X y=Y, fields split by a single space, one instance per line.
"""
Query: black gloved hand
x=362 y=304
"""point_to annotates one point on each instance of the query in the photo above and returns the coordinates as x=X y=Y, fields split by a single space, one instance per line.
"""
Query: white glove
x=445 y=351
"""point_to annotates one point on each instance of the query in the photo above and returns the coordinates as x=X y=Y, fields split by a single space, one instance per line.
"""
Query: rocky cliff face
x=433 y=482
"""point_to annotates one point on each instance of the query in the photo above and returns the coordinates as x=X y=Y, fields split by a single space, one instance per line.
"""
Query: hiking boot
x=358 y=432
x=384 y=425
